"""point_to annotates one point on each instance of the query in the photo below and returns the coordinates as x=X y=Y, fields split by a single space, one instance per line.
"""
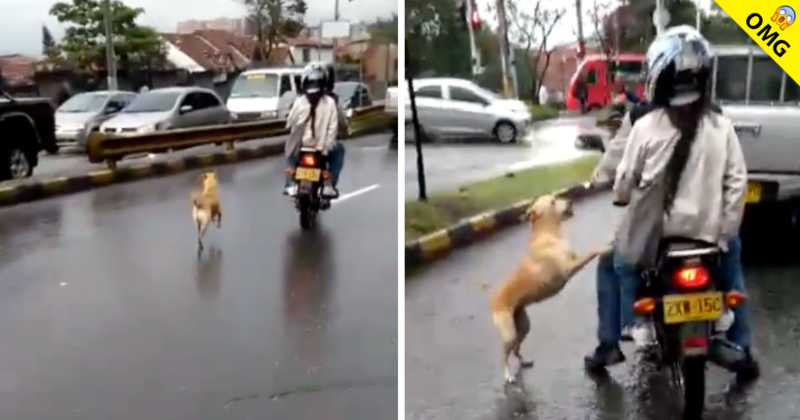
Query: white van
x=264 y=93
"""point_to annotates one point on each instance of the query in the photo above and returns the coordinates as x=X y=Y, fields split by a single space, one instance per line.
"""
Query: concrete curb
x=467 y=232
x=11 y=195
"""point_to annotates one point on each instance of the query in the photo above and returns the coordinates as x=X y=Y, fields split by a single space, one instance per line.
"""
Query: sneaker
x=329 y=191
x=626 y=334
x=291 y=190
x=603 y=356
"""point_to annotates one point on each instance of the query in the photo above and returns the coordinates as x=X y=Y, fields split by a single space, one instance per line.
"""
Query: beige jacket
x=709 y=203
x=326 y=125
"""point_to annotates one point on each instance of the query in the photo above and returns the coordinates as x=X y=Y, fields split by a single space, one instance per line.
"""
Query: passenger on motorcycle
x=313 y=122
x=336 y=156
x=681 y=132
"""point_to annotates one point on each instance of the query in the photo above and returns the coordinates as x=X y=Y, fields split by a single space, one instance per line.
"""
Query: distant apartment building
x=236 y=26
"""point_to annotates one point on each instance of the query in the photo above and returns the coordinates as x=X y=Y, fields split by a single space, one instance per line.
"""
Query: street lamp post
x=111 y=62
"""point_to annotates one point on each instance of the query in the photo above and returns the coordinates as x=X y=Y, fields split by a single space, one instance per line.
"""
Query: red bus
x=599 y=72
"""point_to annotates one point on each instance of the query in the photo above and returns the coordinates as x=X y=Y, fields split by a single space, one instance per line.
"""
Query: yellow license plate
x=692 y=307
x=753 y=193
x=307 y=174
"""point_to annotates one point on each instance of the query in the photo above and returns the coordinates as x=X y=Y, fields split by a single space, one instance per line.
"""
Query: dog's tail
x=504 y=322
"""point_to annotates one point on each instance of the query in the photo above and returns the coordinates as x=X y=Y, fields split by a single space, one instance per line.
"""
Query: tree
x=533 y=26
x=274 y=21
x=48 y=42
x=83 y=43
x=384 y=33
x=435 y=40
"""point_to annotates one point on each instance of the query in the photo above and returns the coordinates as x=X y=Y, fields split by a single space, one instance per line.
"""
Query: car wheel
x=505 y=132
x=15 y=164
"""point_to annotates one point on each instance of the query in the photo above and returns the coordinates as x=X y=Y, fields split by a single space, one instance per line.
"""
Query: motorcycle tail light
x=695 y=342
x=692 y=277
x=308 y=160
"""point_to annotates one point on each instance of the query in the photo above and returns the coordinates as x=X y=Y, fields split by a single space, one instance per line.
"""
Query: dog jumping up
x=205 y=206
x=547 y=266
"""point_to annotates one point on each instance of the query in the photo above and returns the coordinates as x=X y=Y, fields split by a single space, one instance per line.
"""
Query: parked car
x=457 y=108
x=352 y=95
x=168 y=109
x=83 y=113
x=28 y=127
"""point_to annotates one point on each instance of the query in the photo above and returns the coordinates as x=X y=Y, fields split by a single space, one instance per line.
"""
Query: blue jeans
x=335 y=164
x=616 y=292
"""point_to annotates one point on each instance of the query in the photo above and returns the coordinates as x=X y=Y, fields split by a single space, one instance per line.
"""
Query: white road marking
x=355 y=193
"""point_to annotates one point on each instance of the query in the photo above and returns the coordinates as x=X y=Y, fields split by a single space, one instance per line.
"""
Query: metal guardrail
x=111 y=149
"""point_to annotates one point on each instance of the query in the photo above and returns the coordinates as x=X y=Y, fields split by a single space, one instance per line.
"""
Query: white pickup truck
x=764 y=104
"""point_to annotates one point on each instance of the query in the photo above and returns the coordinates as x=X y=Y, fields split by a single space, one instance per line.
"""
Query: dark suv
x=27 y=126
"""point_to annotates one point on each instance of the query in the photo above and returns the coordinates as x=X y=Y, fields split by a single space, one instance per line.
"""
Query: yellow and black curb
x=25 y=192
x=474 y=229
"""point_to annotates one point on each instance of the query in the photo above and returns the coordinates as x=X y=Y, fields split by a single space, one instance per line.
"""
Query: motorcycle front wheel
x=693 y=387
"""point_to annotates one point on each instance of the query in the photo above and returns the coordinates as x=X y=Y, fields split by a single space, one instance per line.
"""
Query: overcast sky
x=21 y=20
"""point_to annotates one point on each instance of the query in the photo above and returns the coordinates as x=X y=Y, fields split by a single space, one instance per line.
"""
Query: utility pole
x=579 y=11
x=503 y=38
x=473 y=48
x=111 y=62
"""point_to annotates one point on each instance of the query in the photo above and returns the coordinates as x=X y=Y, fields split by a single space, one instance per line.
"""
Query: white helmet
x=679 y=63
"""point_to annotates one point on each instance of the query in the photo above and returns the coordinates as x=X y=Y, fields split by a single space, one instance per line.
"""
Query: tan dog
x=205 y=205
x=548 y=265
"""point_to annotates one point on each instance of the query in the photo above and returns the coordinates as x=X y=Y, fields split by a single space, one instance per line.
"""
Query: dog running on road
x=546 y=268
x=205 y=205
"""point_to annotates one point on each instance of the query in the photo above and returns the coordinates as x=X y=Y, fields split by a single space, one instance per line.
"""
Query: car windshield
x=258 y=85
x=487 y=92
x=153 y=101
x=85 y=102
x=345 y=90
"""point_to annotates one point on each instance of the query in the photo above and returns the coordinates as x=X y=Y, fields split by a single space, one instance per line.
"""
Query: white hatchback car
x=458 y=108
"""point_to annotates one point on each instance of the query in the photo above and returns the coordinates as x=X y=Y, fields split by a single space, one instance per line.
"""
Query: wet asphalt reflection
x=453 y=366
x=108 y=312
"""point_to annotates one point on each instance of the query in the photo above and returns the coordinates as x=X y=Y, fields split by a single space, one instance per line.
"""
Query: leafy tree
x=631 y=23
x=48 y=42
x=274 y=21
x=436 y=42
x=383 y=32
x=83 y=43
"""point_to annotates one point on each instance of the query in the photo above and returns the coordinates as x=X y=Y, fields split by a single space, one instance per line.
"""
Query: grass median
x=448 y=207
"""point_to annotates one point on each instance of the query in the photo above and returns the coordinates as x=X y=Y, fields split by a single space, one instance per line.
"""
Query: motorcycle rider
x=336 y=156
x=312 y=122
x=680 y=131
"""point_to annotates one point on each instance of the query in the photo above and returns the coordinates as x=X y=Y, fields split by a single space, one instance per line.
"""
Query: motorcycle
x=688 y=315
x=309 y=174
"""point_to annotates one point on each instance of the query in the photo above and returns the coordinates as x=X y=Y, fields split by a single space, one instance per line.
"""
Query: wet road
x=453 y=366
x=451 y=165
x=107 y=311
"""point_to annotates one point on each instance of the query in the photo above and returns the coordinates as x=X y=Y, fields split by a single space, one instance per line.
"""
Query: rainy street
x=108 y=312
x=449 y=166
x=453 y=368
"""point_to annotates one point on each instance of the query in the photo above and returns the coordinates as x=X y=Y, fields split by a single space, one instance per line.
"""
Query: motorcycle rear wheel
x=307 y=212
x=693 y=387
